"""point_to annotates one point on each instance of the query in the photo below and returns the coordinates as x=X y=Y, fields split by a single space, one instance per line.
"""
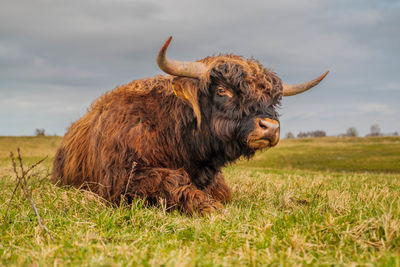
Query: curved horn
x=294 y=89
x=179 y=68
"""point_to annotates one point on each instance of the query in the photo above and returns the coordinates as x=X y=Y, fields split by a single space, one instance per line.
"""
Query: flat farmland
x=322 y=201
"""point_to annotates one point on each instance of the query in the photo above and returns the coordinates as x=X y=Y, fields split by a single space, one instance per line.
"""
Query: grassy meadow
x=327 y=201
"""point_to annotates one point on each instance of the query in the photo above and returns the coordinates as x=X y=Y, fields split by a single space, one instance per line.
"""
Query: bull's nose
x=269 y=129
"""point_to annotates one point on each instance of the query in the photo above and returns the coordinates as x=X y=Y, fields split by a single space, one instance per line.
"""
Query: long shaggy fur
x=142 y=140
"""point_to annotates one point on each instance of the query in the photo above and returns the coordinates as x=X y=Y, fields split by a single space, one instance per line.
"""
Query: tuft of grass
x=279 y=216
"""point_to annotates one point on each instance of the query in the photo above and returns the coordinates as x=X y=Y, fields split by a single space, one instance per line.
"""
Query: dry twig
x=22 y=182
x=316 y=193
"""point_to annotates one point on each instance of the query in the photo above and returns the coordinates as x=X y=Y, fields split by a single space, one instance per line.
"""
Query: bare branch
x=20 y=163
x=9 y=202
x=35 y=164
x=41 y=224
x=22 y=180
x=14 y=165
x=316 y=193
x=15 y=188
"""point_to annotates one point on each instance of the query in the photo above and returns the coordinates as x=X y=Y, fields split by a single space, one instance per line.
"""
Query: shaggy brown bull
x=166 y=138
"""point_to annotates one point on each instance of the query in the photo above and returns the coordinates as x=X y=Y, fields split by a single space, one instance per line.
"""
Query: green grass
x=329 y=201
x=372 y=154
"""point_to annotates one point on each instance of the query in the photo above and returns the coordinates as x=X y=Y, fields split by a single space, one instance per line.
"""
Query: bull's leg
x=219 y=190
x=173 y=187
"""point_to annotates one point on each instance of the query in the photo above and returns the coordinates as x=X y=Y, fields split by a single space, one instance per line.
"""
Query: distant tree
x=40 y=132
x=301 y=135
x=375 y=130
x=351 y=132
x=395 y=134
x=289 y=135
x=317 y=133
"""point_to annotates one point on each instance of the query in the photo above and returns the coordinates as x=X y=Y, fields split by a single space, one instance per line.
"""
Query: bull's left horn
x=179 y=68
x=294 y=89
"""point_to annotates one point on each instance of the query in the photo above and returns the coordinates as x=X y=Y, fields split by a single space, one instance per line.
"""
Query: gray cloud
x=56 y=57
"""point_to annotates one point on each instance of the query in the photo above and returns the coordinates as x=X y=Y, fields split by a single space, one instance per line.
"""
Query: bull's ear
x=187 y=89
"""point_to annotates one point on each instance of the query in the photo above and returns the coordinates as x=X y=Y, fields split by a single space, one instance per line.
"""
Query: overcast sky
x=57 y=57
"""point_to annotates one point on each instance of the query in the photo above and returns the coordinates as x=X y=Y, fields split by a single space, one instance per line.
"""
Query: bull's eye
x=221 y=91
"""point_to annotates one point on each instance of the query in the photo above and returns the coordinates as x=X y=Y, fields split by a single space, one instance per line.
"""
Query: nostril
x=262 y=125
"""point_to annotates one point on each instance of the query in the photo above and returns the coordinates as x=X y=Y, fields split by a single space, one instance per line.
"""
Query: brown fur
x=143 y=140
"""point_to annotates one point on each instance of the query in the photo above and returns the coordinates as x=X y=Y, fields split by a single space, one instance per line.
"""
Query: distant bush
x=289 y=135
x=40 y=132
x=351 y=132
x=317 y=133
x=375 y=130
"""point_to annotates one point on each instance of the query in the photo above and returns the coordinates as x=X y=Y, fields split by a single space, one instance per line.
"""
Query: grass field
x=328 y=201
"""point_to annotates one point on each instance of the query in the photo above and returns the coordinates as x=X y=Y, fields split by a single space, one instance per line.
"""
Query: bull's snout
x=269 y=130
x=265 y=133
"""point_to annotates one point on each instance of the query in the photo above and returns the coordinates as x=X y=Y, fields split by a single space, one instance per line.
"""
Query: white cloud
x=371 y=108
x=389 y=86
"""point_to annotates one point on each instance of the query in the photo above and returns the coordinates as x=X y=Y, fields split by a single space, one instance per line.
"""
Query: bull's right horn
x=294 y=89
x=179 y=68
